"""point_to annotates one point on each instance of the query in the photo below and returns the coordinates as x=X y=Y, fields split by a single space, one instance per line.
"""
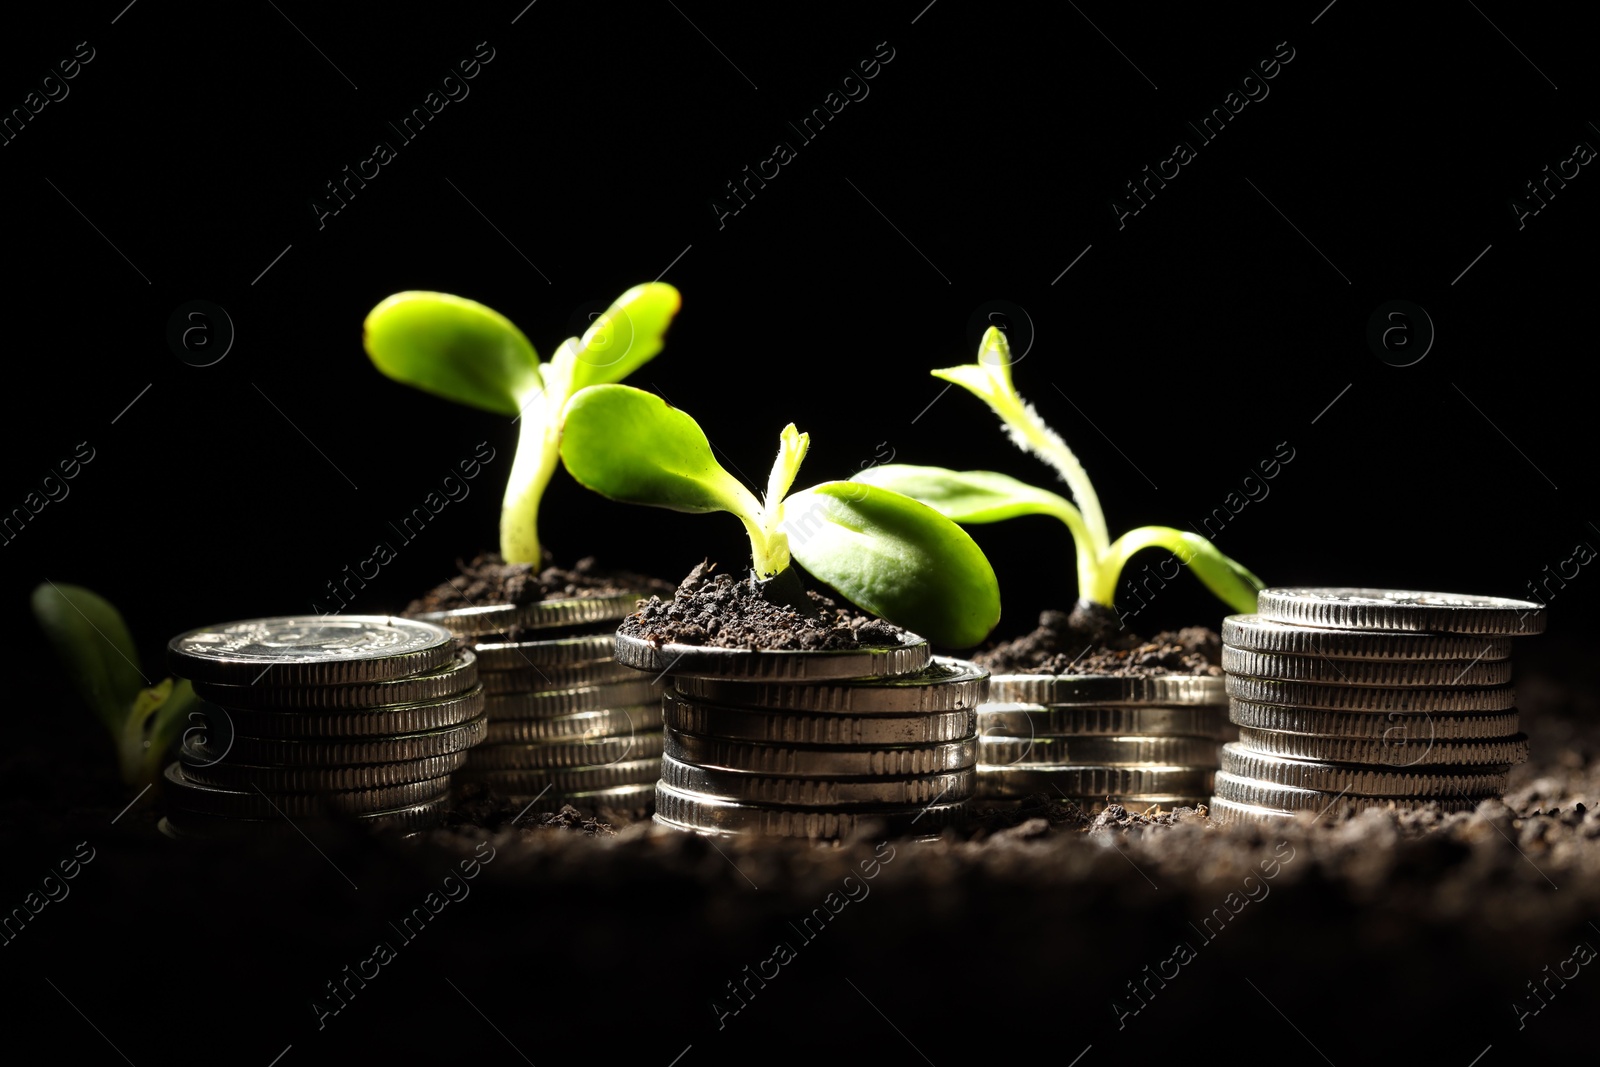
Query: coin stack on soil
x=310 y=717
x=813 y=744
x=1099 y=740
x=1348 y=699
x=566 y=723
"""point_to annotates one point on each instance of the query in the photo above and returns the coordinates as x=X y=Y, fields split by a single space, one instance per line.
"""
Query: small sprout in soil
x=99 y=655
x=466 y=352
x=881 y=550
x=987 y=496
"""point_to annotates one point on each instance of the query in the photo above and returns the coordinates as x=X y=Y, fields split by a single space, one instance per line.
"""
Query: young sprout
x=466 y=352
x=986 y=496
x=95 y=648
x=881 y=550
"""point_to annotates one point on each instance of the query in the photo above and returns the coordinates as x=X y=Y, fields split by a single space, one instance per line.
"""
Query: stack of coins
x=1098 y=740
x=813 y=744
x=1348 y=699
x=567 y=724
x=310 y=717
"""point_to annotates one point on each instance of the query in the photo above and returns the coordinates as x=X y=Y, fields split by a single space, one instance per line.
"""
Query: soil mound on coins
x=721 y=611
x=1089 y=641
x=488 y=579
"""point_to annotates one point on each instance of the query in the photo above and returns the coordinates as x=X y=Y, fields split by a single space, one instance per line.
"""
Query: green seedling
x=987 y=496
x=881 y=550
x=100 y=658
x=466 y=352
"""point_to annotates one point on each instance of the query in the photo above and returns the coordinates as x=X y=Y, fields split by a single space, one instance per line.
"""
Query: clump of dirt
x=721 y=611
x=1090 y=640
x=479 y=806
x=488 y=579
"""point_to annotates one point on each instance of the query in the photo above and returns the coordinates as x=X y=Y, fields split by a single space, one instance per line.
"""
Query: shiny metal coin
x=1000 y=720
x=541 y=615
x=552 y=652
x=1263 y=635
x=1068 y=751
x=603 y=722
x=458 y=676
x=571 y=676
x=564 y=780
x=1403 y=751
x=1369 y=699
x=1364 y=781
x=944 y=685
x=1136 y=804
x=1235 y=789
x=185 y=794
x=788 y=761
x=300 y=650
x=710 y=815
x=552 y=755
x=273 y=752
x=803 y=728
x=347 y=724
x=1344 y=608
x=1401 y=674
x=773 y=665
x=1092 y=780
x=566 y=701
x=244 y=778
x=1395 y=726
x=819 y=792
x=1095 y=690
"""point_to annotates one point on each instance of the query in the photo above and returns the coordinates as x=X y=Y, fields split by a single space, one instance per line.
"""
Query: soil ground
x=1382 y=937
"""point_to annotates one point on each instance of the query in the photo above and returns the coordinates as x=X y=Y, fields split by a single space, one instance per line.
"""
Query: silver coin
x=1062 y=690
x=999 y=720
x=710 y=815
x=1369 y=699
x=774 y=665
x=1263 y=635
x=275 y=752
x=540 y=615
x=310 y=650
x=552 y=652
x=245 y=778
x=818 y=792
x=1402 y=674
x=540 y=679
x=630 y=799
x=564 y=780
x=1066 y=751
x=1344 y=608
x=1235 y=789
x=185 y=794
x=1395 y=726
x=602 y=722
x=786 y=761
x=551 y=755
x=1364 y=781
x=804 y=728
x=343 y=724
x=1092 y=780
x=1403 y=751
x=944 y=685
x=458 y=676
x=566 y=701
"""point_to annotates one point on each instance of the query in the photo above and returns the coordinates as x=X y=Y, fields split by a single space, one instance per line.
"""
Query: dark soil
x=722 y=611
x=1088 y=641
x=490 y=580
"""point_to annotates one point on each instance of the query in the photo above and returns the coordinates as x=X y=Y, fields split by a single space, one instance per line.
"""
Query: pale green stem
x=1124 y=548
x=538 y=452
x=1030 y=431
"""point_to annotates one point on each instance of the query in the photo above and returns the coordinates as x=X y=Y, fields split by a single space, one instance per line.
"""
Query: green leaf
x=455 y=348
x=626 y=337
x=1225 y=577
x=95 y=647
x=967 y=496
x=632 y=446
x=896 y=558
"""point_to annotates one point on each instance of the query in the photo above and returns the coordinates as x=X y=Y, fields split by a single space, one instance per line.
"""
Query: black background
x=1224 y=318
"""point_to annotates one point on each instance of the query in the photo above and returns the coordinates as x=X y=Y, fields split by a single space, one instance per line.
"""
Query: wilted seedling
x=987 y=496
x=102 y=662
x=466 y=352
x=882 y=551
